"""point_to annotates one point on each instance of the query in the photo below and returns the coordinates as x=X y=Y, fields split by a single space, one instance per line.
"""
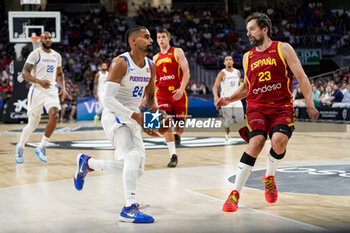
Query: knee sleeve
x=131 y=171
x=123 y=137
x=132 y=160
x=141 y=167
x=33 y=122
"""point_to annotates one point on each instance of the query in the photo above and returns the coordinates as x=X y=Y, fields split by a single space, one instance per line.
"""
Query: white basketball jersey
x=134 y=83
x=101 y=83
x=45 y=66
x=229 y=83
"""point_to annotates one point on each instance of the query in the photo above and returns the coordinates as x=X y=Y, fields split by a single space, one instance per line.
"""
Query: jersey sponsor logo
x=164 y=60
x=259 y=121
x=139 y=79
x=262 y=62
x=165 y=78
x=48 y=60
x=267 y=88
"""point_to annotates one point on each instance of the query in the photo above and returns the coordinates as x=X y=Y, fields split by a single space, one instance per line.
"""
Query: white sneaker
x=228 y=140
x=19 y=154
x=41 y=153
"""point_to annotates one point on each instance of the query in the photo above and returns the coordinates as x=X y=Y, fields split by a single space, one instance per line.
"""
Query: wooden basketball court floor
x=39 y=197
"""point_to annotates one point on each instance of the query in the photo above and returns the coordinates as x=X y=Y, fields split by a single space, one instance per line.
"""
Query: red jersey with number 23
x=269 y=78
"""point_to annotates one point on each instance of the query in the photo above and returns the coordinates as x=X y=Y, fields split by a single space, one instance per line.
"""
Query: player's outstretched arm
x=239 y=94
x=150 y=90
x=117 y=71
x=294 y=64
x=177 y=94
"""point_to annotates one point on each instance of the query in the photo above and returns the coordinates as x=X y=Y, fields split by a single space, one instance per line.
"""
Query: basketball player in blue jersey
x=131 y=76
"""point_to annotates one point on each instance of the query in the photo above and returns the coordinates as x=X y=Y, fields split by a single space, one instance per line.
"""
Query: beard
x=149 y=48
x=256 y=42
x=46 y=46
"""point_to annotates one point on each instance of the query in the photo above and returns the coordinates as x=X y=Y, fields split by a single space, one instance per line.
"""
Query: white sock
x=272 y=165
x=171 y=147
x=131 y=166
x=242 y=174
x=227 y=136
x=106 y=165
x=44 y=141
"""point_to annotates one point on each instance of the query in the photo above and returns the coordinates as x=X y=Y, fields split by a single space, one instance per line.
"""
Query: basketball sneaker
x=134 y=215
x=177 y=139
x=231 y=204
x=271 y=192
x=41 y=153
x=96 y=118
x=19 y=154
x=82 y=170
x=228 y=140
x=173 y=161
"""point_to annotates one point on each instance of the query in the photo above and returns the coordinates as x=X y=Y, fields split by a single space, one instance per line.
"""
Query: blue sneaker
x=41 y=153
x=19 y=154
x=82 y=171
x=133 y=214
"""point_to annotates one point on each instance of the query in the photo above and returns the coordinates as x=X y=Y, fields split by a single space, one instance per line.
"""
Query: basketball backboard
x=25 y=24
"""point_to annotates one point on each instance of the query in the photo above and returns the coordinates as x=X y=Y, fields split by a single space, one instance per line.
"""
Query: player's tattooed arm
x=27 y=68
x=26 y=74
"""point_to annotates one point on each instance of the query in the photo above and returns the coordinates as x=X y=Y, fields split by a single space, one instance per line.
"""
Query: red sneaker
x=271 y=192
x=231 y=204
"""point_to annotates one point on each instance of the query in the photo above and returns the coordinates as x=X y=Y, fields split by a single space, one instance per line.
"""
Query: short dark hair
x=132 y=30
x=262 y=21
x=164 y=30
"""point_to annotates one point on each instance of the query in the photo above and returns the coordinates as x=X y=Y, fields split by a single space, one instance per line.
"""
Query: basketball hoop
x=35 y=41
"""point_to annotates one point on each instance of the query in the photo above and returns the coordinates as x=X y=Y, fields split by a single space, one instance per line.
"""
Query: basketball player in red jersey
x=270 y=112
x=172 y=76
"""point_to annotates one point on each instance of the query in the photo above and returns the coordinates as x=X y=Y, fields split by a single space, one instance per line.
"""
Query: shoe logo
x=131 y=215
x=81 y=166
